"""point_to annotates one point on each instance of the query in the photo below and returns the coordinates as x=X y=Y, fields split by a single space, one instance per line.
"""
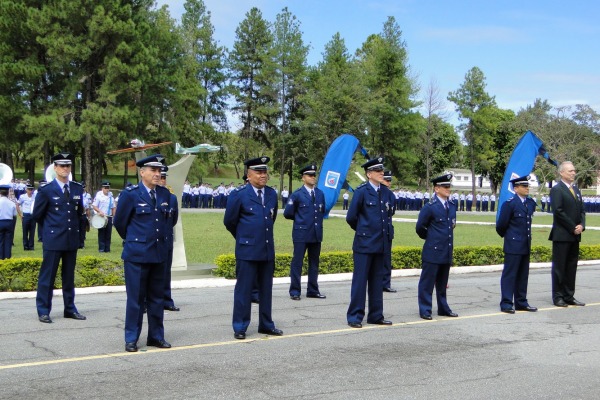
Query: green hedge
x=21 y=274
x=402 y=258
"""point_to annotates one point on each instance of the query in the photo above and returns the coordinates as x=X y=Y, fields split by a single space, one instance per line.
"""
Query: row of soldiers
x=252 y=211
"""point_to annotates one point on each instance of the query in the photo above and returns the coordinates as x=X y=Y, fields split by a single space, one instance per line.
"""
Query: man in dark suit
x=249 y=216
x=369 y=216
x=436 y=224
x=387 y=275
x=514 y=225
x=306 y=207
x=58 y=209
x=173 y=216
x=568 y=224
x=142 y=220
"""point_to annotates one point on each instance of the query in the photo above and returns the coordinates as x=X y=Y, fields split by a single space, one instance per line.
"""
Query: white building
x=463 y=180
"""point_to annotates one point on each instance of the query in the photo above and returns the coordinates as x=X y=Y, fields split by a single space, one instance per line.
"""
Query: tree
x=290 y=59
x=429 y=144
x=333 y=104
x=392 y=124
x=253 y=74
x=470 y=99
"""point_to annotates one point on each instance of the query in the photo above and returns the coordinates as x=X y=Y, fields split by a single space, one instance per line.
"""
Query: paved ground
x=483 y=354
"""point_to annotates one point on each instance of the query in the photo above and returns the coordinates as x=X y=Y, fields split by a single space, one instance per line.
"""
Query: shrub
x=21 y=274
x=402 y=258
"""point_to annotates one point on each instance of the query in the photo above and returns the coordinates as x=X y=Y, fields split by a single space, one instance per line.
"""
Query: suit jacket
x=147 y=230
x=58 y=216
x=307 y=216
x=370 y=216
x=568 y=213
x=514 y=225
x=436 y=226
x=251 y=223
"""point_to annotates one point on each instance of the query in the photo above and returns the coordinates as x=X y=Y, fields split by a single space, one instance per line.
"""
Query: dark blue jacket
x=370 y=216
x=436 y=226
x=144 y=228
x=514 y=225
x=59 y=217
x=251 y=223
x=308 y=217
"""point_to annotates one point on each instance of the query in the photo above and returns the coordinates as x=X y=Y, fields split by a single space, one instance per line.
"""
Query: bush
x=402 y=258
x=21 y=274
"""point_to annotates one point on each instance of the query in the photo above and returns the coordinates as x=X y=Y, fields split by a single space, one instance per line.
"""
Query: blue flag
x=335 y=167
x=521 y=164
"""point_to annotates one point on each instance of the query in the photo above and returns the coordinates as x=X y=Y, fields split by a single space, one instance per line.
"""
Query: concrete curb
x=222 y=282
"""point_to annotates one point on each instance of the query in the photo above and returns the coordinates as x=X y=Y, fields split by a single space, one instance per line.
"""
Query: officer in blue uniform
x=435 y=224
x=169 y=304
x=387 y=275
x=58 y=208
x=8 y=216
x=142 y=217
x=514 y=225
x=306 y=207
x=249 y=216
x=27 y=222
x=369 y=216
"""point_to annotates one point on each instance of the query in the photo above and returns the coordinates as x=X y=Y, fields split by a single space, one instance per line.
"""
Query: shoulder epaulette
x=130 y=188
x=240 y=188
x=361 y=185
x=510 y=199
x=77 y=183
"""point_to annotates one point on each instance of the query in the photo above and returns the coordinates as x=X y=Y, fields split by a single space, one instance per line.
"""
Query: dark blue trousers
x=168 y=300
x=248 y=272
x=144 y=283
x=7 y=231
x=104 y=237
x=47 y=277
x=28 y=225
x=513 y=283
x=314 y=250
x=368 y=270
x=433 y=275
x=387 y=263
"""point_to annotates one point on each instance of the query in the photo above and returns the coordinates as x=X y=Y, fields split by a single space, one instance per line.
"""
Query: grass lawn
x=206 y=237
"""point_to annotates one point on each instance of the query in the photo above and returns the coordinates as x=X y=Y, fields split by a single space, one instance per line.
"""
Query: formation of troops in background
x=148 y=212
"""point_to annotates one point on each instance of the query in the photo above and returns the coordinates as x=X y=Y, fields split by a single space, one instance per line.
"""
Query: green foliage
x=402 y=258
x=21 y=274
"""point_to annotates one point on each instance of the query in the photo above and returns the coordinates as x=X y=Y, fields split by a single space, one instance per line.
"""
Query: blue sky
x=527 y=49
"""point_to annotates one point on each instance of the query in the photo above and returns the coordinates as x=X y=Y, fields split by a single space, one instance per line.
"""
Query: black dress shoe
x=161 y=344
x=272 y=332
x=389 y=290
x=172 y=308
x=426 y=316
x=575 y=302
x=382 y=321
x=316 y=296
x=354 y=324
x=295 y=297
x=255 y=301
x=448 y=314
x=560 y=303
x=45 y=319
x=240 y=335
x=507 y=310
x=526 y=308
x=74 y=315
x=131 y=347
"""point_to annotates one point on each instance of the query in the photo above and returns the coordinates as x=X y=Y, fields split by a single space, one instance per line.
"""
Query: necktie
x=312 y=196
x=379 y=193
x=446 y=205
x=153 y=197
x=572 y=191
x=66 y=187
x=260 y=197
